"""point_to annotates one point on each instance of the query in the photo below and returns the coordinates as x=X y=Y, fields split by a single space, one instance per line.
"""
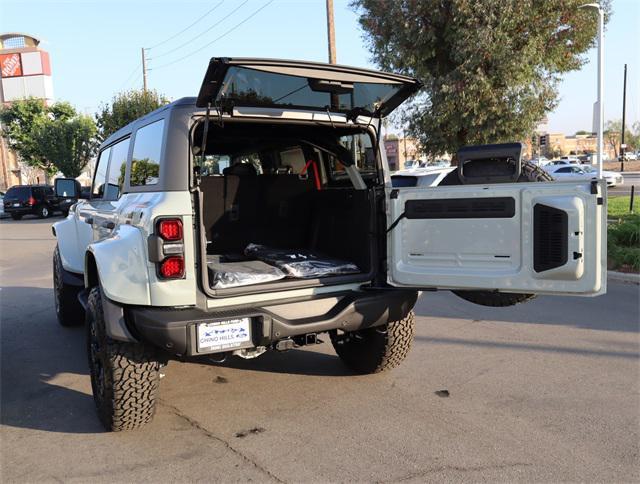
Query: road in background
x=545 y=391
x=625 y=189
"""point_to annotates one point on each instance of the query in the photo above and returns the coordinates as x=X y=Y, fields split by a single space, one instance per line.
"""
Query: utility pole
x=144 y=71
x=624 y=110
x=331 y=33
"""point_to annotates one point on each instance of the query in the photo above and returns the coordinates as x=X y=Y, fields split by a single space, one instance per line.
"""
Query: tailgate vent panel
x=449 y=208
x=550 y=237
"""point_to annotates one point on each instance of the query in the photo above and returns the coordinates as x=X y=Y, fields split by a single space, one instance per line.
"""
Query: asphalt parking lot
x=547 y=391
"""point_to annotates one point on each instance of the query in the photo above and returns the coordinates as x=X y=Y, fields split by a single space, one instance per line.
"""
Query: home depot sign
x=10 y=65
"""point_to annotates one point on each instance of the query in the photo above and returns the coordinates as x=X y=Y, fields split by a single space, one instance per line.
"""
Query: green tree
x=490 y=67
x=143 y=170
x=126 y=107
x=68 y=144
x=611 y=135
x=22 y=119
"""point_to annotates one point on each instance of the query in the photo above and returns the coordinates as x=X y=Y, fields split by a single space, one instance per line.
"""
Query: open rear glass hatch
x=285 y=84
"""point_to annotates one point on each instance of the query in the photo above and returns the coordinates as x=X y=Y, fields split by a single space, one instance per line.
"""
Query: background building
x=553 y=145
x=25 y=71
x=400 y=150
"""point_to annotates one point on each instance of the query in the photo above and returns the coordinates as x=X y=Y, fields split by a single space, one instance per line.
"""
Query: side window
x=145 y=161
x=117 y=168
x=564 y=170
x=99 y=179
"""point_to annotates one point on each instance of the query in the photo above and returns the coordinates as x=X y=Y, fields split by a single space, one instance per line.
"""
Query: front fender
x=121 y=261
x=71 y=254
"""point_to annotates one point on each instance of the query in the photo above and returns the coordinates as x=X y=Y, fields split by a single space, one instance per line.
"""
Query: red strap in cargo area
x=315 y=173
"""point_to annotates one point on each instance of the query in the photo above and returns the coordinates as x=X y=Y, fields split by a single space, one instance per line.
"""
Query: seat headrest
x=240 y=169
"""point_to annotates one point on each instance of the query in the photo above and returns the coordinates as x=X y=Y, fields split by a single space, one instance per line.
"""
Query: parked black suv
x=37 y=200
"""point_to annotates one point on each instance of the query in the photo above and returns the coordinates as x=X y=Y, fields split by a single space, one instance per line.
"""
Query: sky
x=95 y=47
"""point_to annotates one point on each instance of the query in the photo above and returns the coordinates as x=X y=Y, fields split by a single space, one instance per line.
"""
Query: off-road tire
x=374 y=350
x=124 y=376
x=43 y=211
x=16 y=216
x=69 y=311
x=529 y=173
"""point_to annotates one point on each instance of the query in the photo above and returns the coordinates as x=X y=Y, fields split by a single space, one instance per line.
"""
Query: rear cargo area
x=269 y=216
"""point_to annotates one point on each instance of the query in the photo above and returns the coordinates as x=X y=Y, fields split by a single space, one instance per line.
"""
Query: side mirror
x=67 y=188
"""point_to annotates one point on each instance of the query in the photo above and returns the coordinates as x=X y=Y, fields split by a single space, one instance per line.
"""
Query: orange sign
x=10 y=65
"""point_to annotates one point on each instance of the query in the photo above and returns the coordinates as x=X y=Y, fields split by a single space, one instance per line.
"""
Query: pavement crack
x=196 y=425
x=433 y=470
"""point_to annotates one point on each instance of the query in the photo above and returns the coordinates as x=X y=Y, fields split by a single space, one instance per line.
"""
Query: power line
x=135 y=81
x=186 y=28
x=201 y=33
x=129 y=77
x=217 y=38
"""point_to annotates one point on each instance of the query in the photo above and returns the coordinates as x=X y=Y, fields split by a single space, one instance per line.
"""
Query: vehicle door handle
x=108 y=225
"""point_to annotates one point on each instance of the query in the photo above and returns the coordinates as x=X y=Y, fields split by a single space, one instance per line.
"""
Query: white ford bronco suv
x=261 y=214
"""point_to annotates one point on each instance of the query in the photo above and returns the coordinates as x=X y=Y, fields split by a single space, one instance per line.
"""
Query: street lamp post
x=600 y=80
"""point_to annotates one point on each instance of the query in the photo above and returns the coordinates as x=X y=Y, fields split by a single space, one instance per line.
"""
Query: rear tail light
x=172 y=267
x=31 y=201
x=170 y=229
x=170 y=248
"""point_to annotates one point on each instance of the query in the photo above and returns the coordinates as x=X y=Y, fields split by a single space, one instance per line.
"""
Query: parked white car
x=569 y=172
x=421 y=177
x=574 y=160
x=540 y=161
x=613 y=178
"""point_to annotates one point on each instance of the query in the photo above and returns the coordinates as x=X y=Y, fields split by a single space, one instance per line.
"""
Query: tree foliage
x=612 y=138
x=68 y=144
x=126 y=107
x=490 y=67
x=25 y=121
x=144 y=171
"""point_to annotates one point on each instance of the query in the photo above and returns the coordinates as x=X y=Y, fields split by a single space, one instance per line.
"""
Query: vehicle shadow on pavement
x=44 y=373
x=610 y=312
x=293 y=362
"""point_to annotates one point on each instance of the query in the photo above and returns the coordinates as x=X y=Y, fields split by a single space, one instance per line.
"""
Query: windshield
x=252 y=87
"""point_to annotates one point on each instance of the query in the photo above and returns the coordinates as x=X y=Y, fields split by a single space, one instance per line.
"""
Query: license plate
x=224 y=335
x=16 y=204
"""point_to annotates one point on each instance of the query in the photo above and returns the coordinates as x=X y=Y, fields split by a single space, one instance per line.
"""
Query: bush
x=624 y=243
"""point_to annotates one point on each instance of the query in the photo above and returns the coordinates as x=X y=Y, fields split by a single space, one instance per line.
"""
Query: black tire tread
x=132 y=376
x=71 y=311
x=380 y=349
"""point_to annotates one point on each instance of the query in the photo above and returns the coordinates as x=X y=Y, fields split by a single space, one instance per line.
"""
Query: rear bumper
x=174 y=330
x=19 y=210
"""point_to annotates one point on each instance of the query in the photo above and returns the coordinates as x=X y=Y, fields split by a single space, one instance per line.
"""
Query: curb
x=623 y=277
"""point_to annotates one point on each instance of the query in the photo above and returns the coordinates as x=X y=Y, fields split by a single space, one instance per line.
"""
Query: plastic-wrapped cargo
x=223 y=275
x=301 y=263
